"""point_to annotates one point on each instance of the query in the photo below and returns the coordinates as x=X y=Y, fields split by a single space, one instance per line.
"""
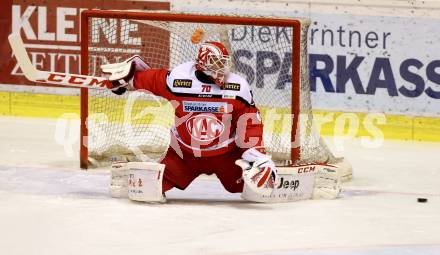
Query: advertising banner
x=375 y=64
x=365 y=63
x=51 y=32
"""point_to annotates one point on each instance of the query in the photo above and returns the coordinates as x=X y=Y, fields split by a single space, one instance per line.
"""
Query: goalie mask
x=214 y=60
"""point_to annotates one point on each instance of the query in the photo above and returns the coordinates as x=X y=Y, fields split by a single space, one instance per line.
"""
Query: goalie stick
x=64 y=79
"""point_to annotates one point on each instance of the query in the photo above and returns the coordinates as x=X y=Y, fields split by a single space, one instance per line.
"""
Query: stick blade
x=17 y=46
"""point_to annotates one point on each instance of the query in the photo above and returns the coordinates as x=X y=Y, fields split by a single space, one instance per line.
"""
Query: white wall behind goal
x=365 y=56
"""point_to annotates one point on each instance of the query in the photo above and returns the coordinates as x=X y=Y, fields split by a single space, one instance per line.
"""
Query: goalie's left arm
x=259 y=173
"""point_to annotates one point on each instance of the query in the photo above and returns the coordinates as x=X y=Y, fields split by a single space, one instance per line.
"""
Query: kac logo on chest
x=204 y=127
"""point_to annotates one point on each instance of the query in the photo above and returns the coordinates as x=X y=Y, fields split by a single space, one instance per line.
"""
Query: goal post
x=271 y=53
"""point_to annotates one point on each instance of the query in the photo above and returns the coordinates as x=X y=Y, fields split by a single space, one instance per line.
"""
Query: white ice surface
x=49 y=206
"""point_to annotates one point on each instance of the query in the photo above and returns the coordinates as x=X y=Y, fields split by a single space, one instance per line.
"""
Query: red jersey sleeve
x=153 y=80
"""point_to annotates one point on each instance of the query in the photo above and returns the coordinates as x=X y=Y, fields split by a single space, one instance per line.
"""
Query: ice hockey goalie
x=218 y=131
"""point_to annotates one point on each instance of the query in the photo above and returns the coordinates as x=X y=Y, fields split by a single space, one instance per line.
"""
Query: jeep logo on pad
x=286 y=184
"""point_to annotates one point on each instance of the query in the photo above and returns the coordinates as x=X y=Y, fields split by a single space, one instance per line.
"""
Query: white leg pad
x=293 y=184
x=145 y=181
x=345 y=169
x=119 y=180
x=327 y=183
x=299 y=183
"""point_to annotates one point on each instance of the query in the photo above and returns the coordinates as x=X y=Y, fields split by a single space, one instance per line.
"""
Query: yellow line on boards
x=395 y=127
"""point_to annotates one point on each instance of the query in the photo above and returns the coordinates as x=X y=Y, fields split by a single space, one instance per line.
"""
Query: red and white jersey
x=209 y=120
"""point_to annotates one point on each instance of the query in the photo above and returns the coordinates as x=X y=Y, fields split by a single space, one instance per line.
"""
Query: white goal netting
x=137 y=124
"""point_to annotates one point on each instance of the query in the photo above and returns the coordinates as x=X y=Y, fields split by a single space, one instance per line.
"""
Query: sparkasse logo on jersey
x=212 y=107
x=182 y=83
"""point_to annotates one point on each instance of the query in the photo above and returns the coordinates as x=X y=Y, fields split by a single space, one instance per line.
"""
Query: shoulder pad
x=185 y=70
x=240 y=86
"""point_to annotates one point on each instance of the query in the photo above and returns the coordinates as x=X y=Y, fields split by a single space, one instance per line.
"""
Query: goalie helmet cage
x=271 y=53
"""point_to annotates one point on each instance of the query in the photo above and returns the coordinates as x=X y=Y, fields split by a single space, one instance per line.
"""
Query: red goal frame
x=295 y=24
